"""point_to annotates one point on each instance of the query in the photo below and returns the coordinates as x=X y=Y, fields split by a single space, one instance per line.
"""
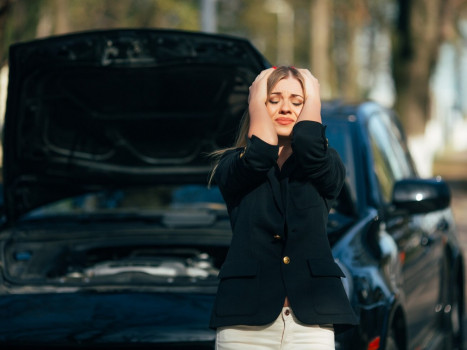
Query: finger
x=311 y=83
x=260 y=83
x=264 y=74
x=307 y=74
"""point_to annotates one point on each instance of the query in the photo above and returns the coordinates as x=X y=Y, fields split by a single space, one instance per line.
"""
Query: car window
x=339 y=138
x=389 y=154
x=338 y=132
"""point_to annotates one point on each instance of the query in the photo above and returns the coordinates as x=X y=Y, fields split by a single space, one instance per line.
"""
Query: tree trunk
x=349 y=19
x=4 y=9
x=415 y=52
x=349 y=85
x=320 y=48
x=62 y=17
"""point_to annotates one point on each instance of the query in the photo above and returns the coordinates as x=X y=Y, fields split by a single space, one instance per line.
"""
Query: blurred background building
x=410 y=55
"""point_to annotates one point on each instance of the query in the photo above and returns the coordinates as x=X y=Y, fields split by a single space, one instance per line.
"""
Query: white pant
x=285 y=333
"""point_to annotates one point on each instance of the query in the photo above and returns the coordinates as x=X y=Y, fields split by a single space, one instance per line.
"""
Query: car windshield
x=137 y=200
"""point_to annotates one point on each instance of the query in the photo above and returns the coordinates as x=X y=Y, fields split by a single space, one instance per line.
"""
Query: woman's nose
x=285 y=107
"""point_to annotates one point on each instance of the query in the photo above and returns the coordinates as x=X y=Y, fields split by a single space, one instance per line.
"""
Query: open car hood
x=121 y=107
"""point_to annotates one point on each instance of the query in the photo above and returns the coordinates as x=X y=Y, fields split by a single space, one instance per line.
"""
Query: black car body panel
x=106 y=318
x=112 y=238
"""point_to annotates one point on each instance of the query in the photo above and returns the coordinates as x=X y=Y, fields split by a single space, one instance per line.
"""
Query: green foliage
x=29 y=19
x=20 y=24
x=351 y=49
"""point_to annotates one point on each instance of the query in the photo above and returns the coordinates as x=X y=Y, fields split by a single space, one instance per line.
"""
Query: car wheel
x=455 y=322
x=391 y=342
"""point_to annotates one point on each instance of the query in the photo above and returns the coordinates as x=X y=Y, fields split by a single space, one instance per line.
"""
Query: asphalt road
x=459 y=205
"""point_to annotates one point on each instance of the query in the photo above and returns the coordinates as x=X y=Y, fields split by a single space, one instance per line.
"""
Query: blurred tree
x=339 y=40
x=20 y=23
x=22 y=20
x=350 y=18
x=5 y=6
x=253 y=20
x=79 y=15
x=421 y=27
x=321 y=20
x=62 y=16
x=257 y=20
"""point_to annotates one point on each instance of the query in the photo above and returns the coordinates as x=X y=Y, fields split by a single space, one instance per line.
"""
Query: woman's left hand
x=312 y=107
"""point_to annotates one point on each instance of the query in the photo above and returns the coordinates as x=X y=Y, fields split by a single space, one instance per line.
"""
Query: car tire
x=455 y=321
x=391 y=343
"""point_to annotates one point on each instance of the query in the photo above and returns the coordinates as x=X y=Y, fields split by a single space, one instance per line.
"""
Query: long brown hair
x=278 y=74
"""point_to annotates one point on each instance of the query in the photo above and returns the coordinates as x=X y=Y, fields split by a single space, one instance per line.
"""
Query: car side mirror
x=419 y=196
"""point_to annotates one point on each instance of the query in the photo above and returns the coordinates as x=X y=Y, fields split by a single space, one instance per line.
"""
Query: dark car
x=395 y=235
x=112 y=238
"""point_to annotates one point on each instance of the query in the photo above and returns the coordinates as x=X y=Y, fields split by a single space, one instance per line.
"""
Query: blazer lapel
x=275 y=188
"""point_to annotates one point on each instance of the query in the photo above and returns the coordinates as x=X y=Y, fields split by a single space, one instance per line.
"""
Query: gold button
x=242 y=153
x=277 y=237
x=286 y=260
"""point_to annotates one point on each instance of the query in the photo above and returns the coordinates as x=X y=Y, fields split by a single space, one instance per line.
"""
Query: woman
x=279 y=285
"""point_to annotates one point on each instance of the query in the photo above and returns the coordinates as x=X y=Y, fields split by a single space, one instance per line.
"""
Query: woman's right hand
x=258 y=89
x=260 y=122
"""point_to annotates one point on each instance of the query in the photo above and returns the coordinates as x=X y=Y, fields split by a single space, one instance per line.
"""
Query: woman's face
x=284 y=105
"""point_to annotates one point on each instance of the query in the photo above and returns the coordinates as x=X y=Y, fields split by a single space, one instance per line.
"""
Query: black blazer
x=279 y=245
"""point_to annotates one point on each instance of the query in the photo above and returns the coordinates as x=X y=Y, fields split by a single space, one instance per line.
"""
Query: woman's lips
x=284 y=121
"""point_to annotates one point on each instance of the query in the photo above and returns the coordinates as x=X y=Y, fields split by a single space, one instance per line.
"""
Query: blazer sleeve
x=320 y=163
x=242 y=169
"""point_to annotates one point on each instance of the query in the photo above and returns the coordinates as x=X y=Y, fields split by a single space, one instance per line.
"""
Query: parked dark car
x=396 y=236
x=112 y=239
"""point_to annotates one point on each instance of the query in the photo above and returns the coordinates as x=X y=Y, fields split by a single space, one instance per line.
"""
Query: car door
x=418 y=240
